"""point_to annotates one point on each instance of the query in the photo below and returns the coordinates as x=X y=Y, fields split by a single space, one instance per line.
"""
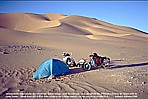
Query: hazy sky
x=124 y=13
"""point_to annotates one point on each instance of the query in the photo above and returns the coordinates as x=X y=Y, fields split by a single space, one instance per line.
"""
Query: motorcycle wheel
x=74 y=64
x=86 y=66
x=69 y=63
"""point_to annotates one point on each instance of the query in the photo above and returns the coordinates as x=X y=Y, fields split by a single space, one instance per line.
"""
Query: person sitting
x=92 y=62
x=96 y=59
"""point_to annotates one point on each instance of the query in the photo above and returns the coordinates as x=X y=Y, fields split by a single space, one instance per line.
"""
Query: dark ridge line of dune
x=81 y=31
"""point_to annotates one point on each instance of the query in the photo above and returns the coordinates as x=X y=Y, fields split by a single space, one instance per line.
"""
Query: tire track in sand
x=92 y=88
x=65 y=87
x=89 y=88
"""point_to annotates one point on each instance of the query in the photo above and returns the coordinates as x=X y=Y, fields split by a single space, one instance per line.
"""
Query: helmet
x=64 y=53
x=94 y=53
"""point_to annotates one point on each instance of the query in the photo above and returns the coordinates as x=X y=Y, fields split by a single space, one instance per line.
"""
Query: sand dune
x=91 y=22
x=26 y=40
x=33 y=22
x=67 y=33
x=71 y=33
x=27 y=21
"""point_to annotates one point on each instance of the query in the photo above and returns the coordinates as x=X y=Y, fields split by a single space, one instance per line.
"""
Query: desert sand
x=27 y=39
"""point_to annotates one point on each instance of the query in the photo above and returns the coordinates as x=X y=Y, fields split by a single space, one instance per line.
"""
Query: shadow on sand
x=80 y=70
x=130 y=65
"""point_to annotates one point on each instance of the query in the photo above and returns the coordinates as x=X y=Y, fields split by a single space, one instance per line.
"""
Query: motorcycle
x=81 y=62
x=68 y=59
x=87 y=64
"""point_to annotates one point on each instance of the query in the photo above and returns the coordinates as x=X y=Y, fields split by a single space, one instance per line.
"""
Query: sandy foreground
x=26 y=40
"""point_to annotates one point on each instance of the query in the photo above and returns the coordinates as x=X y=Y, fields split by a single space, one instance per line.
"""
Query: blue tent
x=51 y=66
